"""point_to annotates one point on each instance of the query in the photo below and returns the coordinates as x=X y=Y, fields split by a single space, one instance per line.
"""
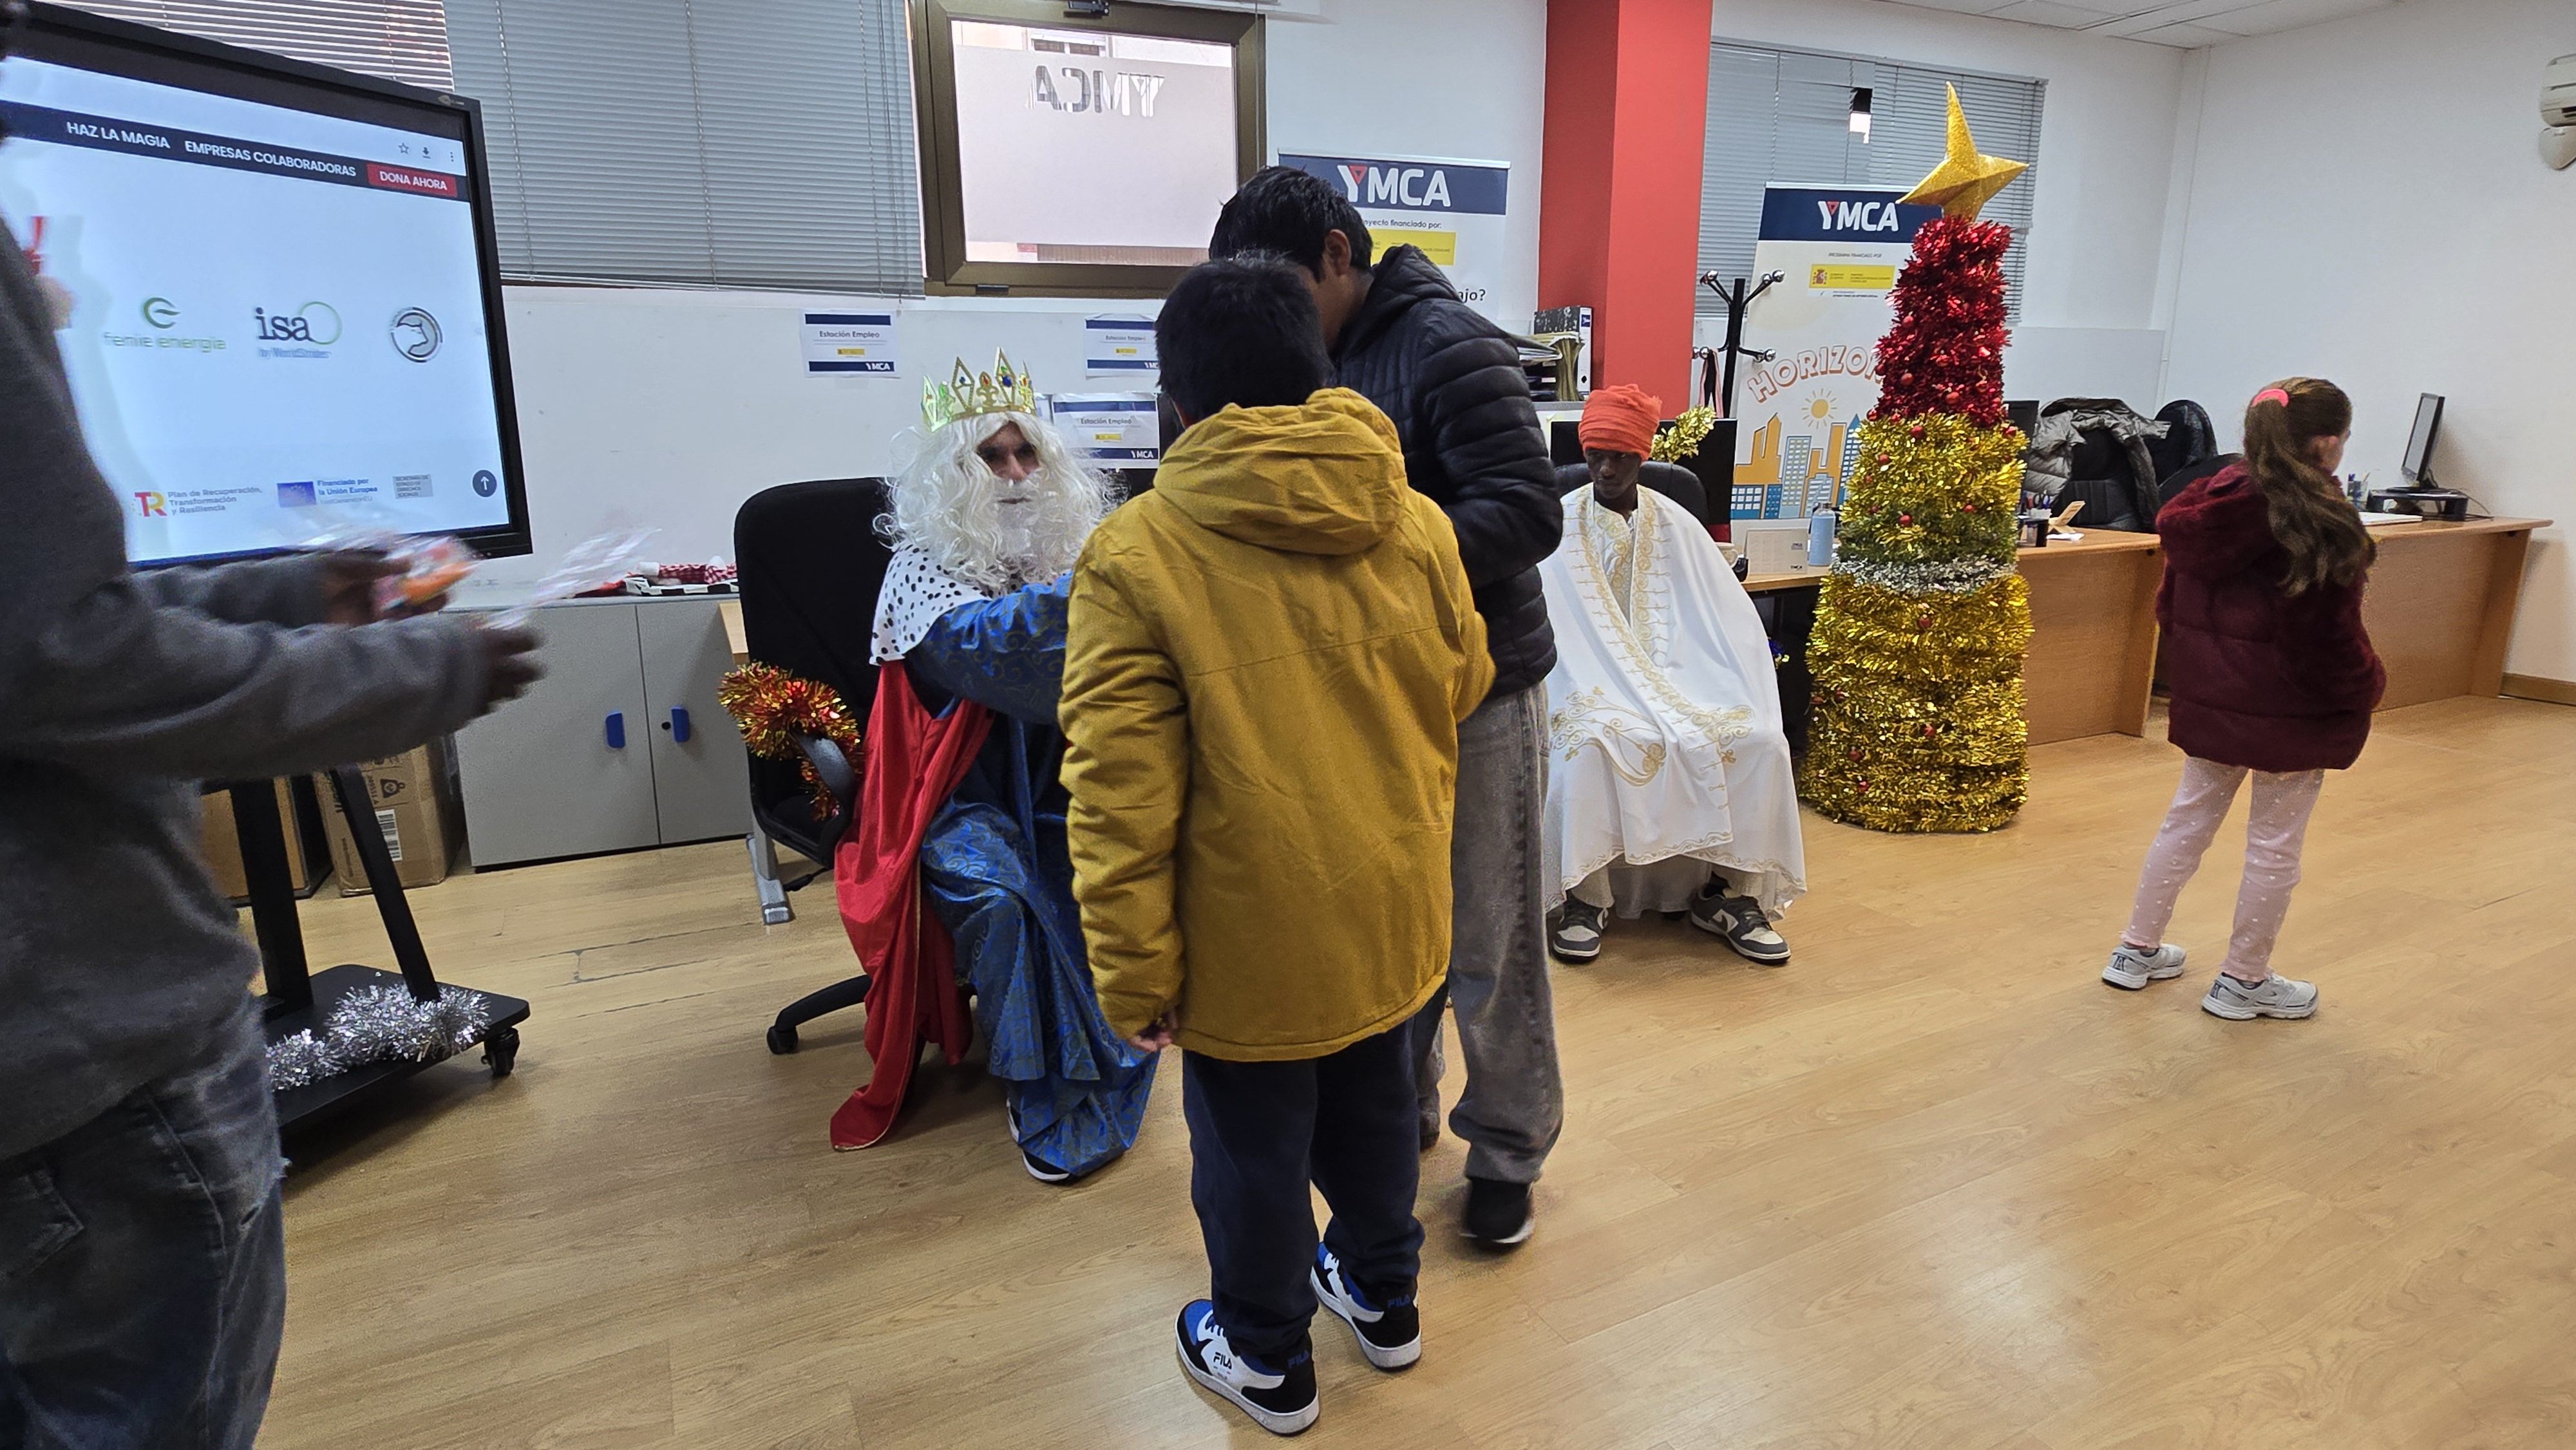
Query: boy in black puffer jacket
x=1451 y=381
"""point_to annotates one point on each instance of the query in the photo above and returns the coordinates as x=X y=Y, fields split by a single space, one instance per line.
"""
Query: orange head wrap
x=1620 y=418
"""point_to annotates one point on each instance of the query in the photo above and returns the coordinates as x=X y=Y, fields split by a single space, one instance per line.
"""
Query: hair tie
x=2272 y=395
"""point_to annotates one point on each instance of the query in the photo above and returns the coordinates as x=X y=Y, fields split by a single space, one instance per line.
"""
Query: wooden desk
x=2092 y=660
x=730 y=611
x=2440 y=605
x=2092 y=653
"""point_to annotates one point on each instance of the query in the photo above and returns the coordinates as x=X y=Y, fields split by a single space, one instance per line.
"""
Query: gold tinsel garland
x=1917 y=718
x=772 y=707
x=1682 y=440
x=1933 y=487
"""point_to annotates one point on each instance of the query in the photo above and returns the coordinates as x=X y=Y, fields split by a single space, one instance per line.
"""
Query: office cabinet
x=701 y=788
x=621 y=745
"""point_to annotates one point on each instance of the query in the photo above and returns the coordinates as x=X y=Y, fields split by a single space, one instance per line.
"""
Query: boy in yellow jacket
x=1268 y=659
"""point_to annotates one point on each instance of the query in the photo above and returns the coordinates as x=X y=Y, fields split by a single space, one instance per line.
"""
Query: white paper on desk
x=1119 y=347
x=1115 y=428
x=2060 y=536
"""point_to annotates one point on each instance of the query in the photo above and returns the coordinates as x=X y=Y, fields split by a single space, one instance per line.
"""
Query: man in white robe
x=1669 y=781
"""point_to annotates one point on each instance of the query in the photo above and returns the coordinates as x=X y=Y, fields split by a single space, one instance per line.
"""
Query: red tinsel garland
x=771 y=705
x=1946 y=352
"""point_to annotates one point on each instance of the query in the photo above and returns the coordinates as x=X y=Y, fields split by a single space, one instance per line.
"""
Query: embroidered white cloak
x=1664 y=734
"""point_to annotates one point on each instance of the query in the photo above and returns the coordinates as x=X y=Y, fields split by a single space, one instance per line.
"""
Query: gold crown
x=968 y=393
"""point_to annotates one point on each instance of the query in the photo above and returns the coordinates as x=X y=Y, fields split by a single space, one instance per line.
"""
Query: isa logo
x=295 y=495
x=151 y=506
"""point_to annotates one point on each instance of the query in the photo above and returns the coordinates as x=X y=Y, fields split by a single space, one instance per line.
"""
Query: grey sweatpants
x=1514 y=1105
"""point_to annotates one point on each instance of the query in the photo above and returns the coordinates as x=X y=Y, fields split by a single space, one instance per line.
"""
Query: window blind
x=401 y=40
x=698 y=141
x=1785 y=116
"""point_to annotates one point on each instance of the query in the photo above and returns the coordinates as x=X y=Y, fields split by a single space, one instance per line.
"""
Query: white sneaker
x=2274 y=996
x=2131 y=968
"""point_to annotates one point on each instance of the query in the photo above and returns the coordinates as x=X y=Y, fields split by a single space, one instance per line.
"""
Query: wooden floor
x=1933 y=1185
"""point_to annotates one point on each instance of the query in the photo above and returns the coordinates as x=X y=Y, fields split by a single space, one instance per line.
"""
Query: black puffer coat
x=1452 y=382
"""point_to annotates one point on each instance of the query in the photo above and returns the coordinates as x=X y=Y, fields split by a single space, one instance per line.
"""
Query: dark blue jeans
x=1259 y=1133
x=143 y=1267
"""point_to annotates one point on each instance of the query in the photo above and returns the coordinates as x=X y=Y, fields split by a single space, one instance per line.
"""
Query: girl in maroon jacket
x=2271 y=672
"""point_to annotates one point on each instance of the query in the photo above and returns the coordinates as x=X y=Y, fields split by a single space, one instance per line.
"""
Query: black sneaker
x=1498 y=1213
x=1741 y=920
x=1280 y=1398
x=1574 y=931
x=1388 y=1326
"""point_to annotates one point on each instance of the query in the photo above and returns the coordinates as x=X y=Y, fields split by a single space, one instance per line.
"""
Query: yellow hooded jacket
x=1268 y=659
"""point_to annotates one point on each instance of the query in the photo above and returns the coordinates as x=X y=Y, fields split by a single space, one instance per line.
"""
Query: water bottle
x=1820 y=536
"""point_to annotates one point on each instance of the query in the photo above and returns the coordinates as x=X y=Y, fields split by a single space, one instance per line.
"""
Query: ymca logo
x=1367 y=184
x=1858 y=216
x=151 y=506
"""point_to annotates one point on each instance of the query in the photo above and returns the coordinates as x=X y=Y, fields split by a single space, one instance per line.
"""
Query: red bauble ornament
x=1855 y=754
x=1905 y=518
x=1923 y=621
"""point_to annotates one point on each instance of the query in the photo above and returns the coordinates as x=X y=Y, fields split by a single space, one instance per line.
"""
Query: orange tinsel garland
x=771 y=706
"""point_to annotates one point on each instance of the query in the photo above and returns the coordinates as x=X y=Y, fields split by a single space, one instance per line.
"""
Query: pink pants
x=2273 y=835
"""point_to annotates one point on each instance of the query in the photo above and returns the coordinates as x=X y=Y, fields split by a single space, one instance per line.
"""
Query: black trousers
x=1259 y=1133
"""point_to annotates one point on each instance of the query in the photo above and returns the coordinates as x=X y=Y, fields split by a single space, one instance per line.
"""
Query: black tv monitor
x=284 y=299
x=2418 y=464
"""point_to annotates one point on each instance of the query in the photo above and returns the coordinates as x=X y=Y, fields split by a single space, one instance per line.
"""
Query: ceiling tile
x=1961 y=7
x=2187 y=35
x=2268 y=17
x=2049 y=12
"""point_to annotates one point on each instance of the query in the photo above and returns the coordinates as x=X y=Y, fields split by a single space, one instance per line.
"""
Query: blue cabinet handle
x=679 y=726
x=617 y=730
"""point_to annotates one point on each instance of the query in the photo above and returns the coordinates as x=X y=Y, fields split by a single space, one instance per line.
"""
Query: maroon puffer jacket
x=2260 y=678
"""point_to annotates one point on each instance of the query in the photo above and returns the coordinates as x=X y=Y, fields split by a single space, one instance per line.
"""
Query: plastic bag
x=432 y=564
x=603 y=559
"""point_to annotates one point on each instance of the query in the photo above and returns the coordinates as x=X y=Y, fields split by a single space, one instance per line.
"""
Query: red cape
x=915 y=759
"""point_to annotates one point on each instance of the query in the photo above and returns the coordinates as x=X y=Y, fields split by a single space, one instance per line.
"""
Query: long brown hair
x=2317 y=527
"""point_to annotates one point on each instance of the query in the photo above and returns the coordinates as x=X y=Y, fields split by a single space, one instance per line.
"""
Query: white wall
x=668 y=408
x=2368 y=206
x=2089 y=290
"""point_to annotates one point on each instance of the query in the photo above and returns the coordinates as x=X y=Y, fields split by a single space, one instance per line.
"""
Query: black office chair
x=811 y=563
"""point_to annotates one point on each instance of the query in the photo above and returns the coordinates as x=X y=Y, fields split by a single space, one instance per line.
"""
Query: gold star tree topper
x=1965 y=180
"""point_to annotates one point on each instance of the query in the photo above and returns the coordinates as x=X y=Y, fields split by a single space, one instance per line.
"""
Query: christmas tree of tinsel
x=1919 y=633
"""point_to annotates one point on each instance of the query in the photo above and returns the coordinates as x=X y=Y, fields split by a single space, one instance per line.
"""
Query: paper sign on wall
x=1118 y=347
x=1838 y=251
x=1114 y=428
x=849 y=342
x=1452 y=210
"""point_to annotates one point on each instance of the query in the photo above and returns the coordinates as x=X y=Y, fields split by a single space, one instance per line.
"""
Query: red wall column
x=1627 y=113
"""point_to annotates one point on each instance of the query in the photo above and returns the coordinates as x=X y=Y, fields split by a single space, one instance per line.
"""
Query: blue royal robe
x=997 y=874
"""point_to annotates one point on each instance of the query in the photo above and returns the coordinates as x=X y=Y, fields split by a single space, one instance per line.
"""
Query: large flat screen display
x=283 y=310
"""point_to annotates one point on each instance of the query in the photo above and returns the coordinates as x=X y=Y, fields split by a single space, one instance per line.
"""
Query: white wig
x=947 y=503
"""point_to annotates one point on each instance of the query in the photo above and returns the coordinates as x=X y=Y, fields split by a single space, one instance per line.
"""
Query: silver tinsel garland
x=1947 y=576
x=378 y=1024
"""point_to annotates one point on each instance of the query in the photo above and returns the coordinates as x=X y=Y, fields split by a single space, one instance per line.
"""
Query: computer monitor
x=284 y=298
x=2418 y=465
x=2022 y=413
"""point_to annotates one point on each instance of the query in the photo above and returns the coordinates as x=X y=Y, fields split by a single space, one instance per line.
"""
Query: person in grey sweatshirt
x=142 y=1262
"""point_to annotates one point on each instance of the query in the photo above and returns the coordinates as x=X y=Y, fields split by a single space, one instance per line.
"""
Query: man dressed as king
x=963 y=755
x=1669 y=782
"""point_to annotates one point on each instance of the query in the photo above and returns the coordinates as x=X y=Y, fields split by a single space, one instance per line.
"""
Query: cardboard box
x=416 y=803
x=223 y=845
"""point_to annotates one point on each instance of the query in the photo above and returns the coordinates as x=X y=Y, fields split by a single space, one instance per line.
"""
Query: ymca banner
x=1838 y=250
x=1452 y=210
